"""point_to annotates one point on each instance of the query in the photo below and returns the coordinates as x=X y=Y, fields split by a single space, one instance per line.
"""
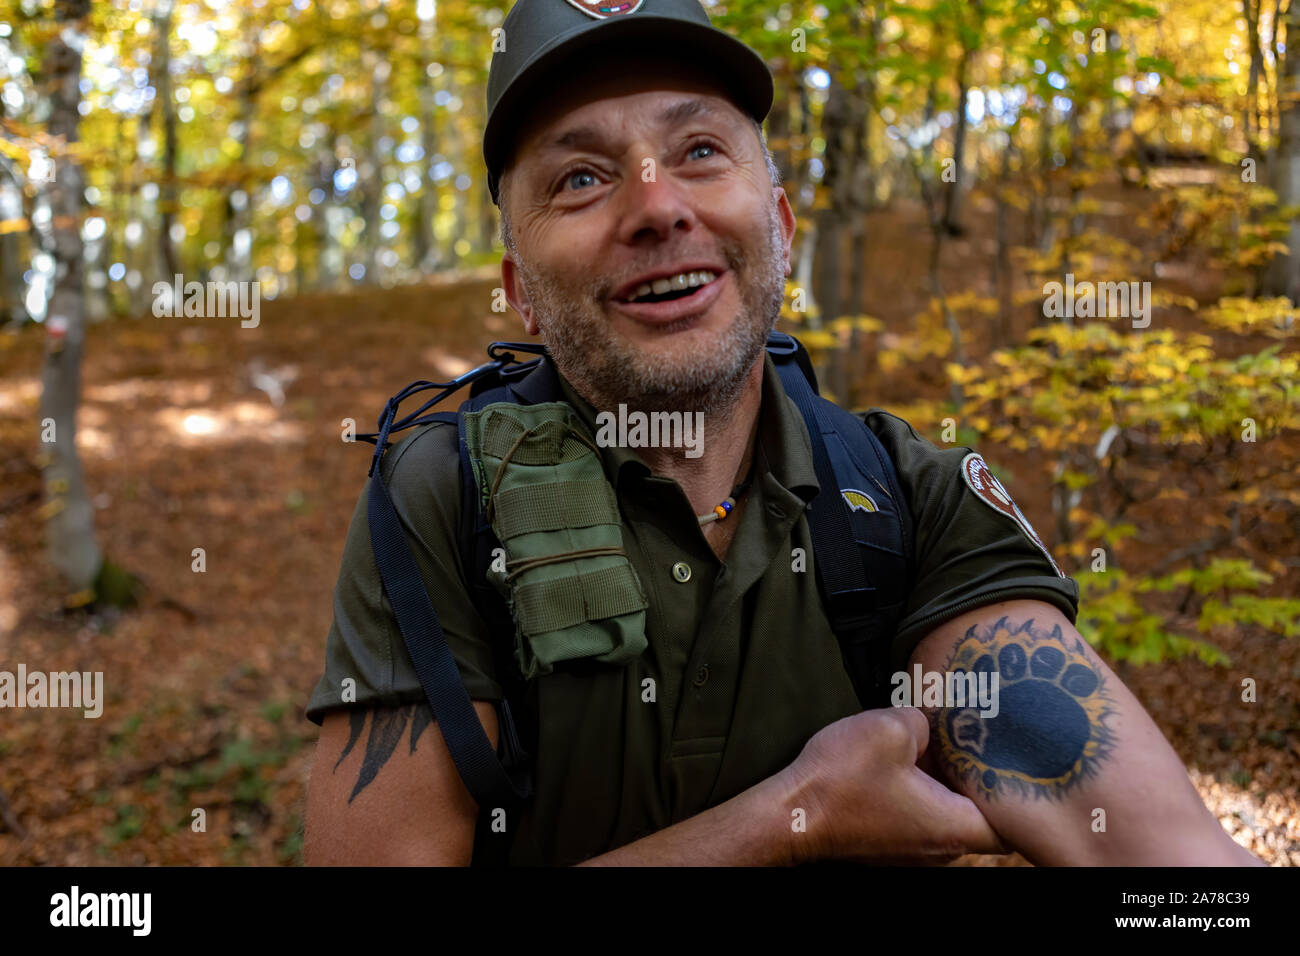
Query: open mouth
x=669 y=288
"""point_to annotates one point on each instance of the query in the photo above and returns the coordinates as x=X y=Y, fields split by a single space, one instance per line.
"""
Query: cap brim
x=737 y=66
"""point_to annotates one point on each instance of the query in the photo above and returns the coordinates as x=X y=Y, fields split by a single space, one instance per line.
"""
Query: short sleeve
x=364 y=641
x=970 y=549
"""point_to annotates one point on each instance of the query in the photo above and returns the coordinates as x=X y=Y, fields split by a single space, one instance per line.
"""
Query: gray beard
x=607 y=371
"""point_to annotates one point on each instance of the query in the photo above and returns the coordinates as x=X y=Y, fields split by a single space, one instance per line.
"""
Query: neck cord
x=723 y=508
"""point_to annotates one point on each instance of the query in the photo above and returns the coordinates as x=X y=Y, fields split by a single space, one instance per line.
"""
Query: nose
x=653 y=206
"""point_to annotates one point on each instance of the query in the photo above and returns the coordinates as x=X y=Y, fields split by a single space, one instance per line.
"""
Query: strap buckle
x=780 y=343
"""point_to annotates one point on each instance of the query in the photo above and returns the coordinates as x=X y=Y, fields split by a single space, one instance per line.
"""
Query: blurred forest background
x=174 y=493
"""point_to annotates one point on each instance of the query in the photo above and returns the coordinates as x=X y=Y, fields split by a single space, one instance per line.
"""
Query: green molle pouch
x=571 y=590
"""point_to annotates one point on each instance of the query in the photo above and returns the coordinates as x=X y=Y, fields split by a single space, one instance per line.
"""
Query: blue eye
x=580 y=173
x=700 y=146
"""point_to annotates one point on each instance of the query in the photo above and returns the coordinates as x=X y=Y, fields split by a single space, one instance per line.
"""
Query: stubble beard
x=706 y=377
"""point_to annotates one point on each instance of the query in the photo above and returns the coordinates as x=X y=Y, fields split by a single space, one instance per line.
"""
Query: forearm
x=753 y=828
x=1062 y=759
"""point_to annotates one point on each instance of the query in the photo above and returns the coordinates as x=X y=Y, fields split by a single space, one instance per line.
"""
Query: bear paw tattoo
x=1050 y=729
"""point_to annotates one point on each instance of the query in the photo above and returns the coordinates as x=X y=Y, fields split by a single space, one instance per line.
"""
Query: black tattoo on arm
x=387 y=724
x=1049 y=733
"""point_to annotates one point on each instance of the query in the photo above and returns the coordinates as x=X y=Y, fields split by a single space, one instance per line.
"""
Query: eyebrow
x=590 y=137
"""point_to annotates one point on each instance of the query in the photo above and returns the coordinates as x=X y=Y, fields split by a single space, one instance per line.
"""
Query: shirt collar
x=783 y=444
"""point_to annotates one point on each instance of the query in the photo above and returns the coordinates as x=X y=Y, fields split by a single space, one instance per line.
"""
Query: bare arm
x=751 y=829
x=1065 y=764
x=385 y=792
x=854 y=793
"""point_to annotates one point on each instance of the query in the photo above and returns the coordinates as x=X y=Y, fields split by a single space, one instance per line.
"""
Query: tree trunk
x=1002 y=256
x=69 y=514
x=826 y=284
x=953 y=195
x=373 y=171
x=239 y=253
x=802 y=134
x=427 y=203
x=1283 y=277
x=13 y=308
x=1250 y=112
x=161 y=69
x=778 y=126
x=863 y=193
x=1041 y=217
x=1270 y=102
x=934 y=217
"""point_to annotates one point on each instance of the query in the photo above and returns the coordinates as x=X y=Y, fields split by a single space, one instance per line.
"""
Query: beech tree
x=68 y=511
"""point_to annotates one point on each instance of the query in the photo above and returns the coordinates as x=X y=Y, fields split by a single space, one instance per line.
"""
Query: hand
x=867 y=801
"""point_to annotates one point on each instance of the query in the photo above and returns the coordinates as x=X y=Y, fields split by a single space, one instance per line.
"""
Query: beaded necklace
x=723 y=509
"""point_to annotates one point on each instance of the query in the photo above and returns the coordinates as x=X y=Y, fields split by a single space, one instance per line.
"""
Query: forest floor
x=206 y=681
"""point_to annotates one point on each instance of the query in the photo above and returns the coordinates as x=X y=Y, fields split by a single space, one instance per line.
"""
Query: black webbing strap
x=843 y=577
x=475 y=759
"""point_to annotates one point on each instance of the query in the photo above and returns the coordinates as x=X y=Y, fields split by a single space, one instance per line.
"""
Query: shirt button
x=681 y=572
x=702 y=676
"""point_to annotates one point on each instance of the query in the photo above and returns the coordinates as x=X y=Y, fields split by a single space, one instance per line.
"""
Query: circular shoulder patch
x=975 y=472
x=600 y=9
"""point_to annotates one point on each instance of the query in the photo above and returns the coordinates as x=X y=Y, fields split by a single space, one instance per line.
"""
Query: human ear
x=786 y=216
x=513 y=284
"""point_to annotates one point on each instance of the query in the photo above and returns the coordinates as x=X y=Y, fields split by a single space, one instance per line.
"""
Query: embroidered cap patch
x=990 y=491
x=600 y=9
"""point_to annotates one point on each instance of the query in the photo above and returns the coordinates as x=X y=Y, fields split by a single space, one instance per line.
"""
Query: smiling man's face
x=650 y=244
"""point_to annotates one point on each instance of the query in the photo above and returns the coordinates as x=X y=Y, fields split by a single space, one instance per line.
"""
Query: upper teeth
x=683 y=280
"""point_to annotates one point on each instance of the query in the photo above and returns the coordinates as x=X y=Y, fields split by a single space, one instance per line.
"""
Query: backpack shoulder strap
x=860 y=524
x=493 y=781
x=485 y=777
x=533 y=384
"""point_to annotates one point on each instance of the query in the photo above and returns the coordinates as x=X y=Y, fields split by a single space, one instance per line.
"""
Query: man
x=647 y=241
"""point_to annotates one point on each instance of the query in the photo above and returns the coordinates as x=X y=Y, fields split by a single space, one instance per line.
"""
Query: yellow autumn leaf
x=13 y=150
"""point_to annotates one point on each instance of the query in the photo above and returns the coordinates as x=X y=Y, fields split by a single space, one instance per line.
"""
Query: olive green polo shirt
x=741 y=666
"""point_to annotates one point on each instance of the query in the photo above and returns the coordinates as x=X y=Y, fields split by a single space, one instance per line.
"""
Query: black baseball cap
x=542 y=36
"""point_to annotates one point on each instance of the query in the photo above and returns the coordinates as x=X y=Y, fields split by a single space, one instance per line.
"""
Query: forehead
x=601 y=95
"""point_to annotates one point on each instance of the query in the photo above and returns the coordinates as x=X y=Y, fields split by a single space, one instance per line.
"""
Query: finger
x=961 y=819
x=917 y=724
x=975 y=833
x=928 y=763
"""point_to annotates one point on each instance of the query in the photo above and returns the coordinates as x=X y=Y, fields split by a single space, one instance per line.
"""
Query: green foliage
x=1238 y=222
x=273 y=711
x=243 y=774
x=290 y=851
x=1275 y=317
x=116 y=587
x=1114 y=410
x=1072 y=383
x=243 y=767
x=122 y=737
x=1281 y=615
x=1114 y=618
x=128 y=822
